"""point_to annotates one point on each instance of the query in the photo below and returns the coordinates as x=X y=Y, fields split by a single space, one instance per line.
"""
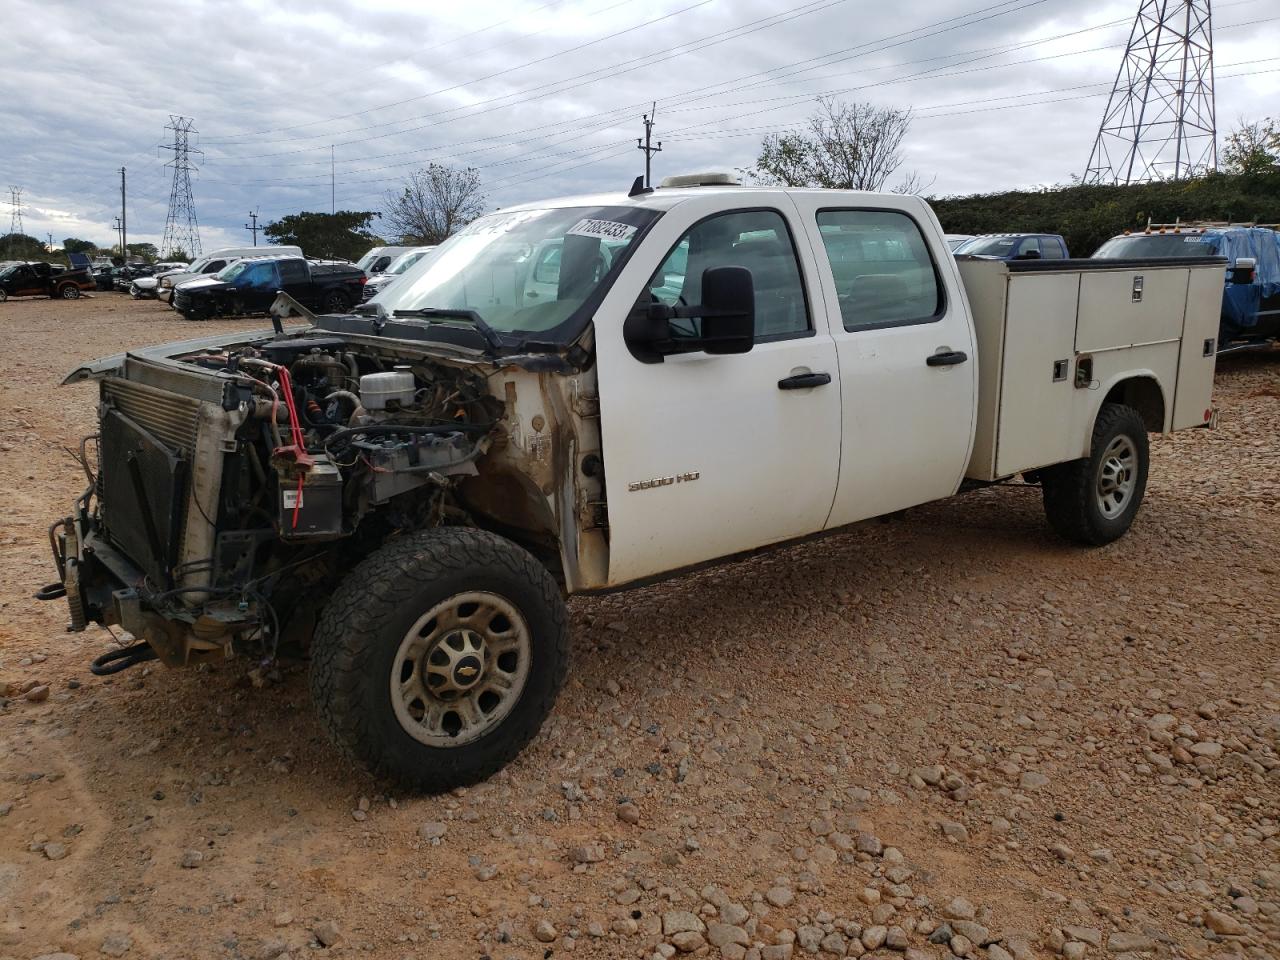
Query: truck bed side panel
x=1035 y=419
x=1199 y=342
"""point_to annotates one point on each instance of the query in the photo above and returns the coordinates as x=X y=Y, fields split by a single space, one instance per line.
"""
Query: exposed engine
x=318 y=442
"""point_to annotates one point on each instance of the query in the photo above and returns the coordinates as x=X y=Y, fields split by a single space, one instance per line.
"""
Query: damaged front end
x=237 y=477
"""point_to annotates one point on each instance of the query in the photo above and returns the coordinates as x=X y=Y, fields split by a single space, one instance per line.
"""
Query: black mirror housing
x=727 y=312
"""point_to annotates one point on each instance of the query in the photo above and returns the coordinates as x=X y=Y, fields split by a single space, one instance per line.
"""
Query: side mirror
x=1244 y=271
x=1029 y=255
x=727 y=312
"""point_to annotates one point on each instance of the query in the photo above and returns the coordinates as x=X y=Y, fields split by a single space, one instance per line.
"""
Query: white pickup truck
x=699 y=371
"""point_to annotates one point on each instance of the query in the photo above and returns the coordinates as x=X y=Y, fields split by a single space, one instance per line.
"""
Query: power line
x=867 y=48
x=500 y=73
x=181 y=230
x=352 y=82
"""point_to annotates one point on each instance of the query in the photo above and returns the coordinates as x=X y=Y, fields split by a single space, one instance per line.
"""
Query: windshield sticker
x=601 y=230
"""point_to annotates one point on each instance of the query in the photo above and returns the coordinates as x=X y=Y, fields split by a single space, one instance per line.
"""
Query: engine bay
x=326 y=450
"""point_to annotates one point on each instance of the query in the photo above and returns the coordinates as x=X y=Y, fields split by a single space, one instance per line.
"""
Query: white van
x=379 y=258
x=211 y=263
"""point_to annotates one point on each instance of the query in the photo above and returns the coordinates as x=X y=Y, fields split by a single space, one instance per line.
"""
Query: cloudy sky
x=544 y=98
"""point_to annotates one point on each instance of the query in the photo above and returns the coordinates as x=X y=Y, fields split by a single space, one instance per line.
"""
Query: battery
x=314 y=510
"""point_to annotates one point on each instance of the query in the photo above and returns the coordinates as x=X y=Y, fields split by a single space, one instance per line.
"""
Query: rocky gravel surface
x=947 y=735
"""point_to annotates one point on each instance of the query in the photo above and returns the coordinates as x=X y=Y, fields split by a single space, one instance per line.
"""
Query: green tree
x=845 y=146
x=1252 y=148
x=147 y=251
x=20 y=246
x=345 y=234
x=76 y=245
x=1090 y=214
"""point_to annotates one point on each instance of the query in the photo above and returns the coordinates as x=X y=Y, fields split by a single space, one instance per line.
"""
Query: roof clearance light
x=702 y=180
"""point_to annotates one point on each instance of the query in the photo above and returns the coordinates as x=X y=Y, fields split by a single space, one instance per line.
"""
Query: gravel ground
x=947 y=734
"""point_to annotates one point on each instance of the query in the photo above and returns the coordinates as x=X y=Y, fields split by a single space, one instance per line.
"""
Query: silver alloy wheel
x=460 y=669
x=1117 y=476
x=70 y=292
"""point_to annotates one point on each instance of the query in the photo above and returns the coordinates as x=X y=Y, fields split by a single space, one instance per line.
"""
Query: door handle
x=948 y=359
x=802 y=381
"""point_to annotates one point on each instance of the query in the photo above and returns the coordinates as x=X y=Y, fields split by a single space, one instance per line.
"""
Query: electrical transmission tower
x=15 y=218
x=181 y=231
x=1160 y=122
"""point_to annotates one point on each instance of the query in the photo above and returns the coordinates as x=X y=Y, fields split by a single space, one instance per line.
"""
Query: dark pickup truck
x=249 y=286
x=43 y=280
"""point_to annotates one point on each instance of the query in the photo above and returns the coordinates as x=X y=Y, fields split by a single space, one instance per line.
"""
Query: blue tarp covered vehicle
x=1250 y=311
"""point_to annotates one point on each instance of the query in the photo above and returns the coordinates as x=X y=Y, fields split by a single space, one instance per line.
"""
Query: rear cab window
x=883 y=271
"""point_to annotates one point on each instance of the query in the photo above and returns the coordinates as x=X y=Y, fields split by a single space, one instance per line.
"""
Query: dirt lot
x=945 y=734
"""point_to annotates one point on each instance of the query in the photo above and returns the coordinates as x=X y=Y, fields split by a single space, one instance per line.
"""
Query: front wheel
x=69 y=292
x=438 y=657
x=1094 y=501
x=4 y=295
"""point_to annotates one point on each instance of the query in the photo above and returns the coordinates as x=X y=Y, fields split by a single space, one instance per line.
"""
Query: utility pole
x=253 y=215
x=119 y=237
x=333 y=184
x=646 y=144
x=124 y=220
x=50 y=236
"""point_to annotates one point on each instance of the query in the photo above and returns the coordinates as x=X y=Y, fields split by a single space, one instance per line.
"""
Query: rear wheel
x=335 y=302
x=1094 y=501
x=69 y=291
x=439 y=656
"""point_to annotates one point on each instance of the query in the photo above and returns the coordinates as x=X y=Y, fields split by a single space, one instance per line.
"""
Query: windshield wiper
x=490 y=335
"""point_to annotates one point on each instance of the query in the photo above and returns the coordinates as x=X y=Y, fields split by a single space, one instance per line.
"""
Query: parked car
x=410 y=495
x=144 y=287
x=250 y=285
x=379 y=259
x=1250 y=309
x=211 y=263
x=399 y=265
x=957 y=239
x=1015 y=246
x=39 y=279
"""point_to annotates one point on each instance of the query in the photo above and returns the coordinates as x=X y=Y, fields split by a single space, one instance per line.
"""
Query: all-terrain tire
x=360 y=630
x=1081 y=498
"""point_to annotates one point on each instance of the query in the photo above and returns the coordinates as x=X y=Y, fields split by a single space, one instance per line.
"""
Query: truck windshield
x=230 y=272
x=526 y=271
x=1158 y=245
x=988 y=246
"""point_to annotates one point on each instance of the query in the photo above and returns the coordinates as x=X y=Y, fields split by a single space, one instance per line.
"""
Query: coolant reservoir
x=379 y=389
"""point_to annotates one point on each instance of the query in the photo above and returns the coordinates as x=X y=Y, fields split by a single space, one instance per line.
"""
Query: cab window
x=258 y=276
x=756 y=239
x=884 y=274
x=293 y=271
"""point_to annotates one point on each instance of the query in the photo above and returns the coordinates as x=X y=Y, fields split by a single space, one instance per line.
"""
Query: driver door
x=712 y=455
